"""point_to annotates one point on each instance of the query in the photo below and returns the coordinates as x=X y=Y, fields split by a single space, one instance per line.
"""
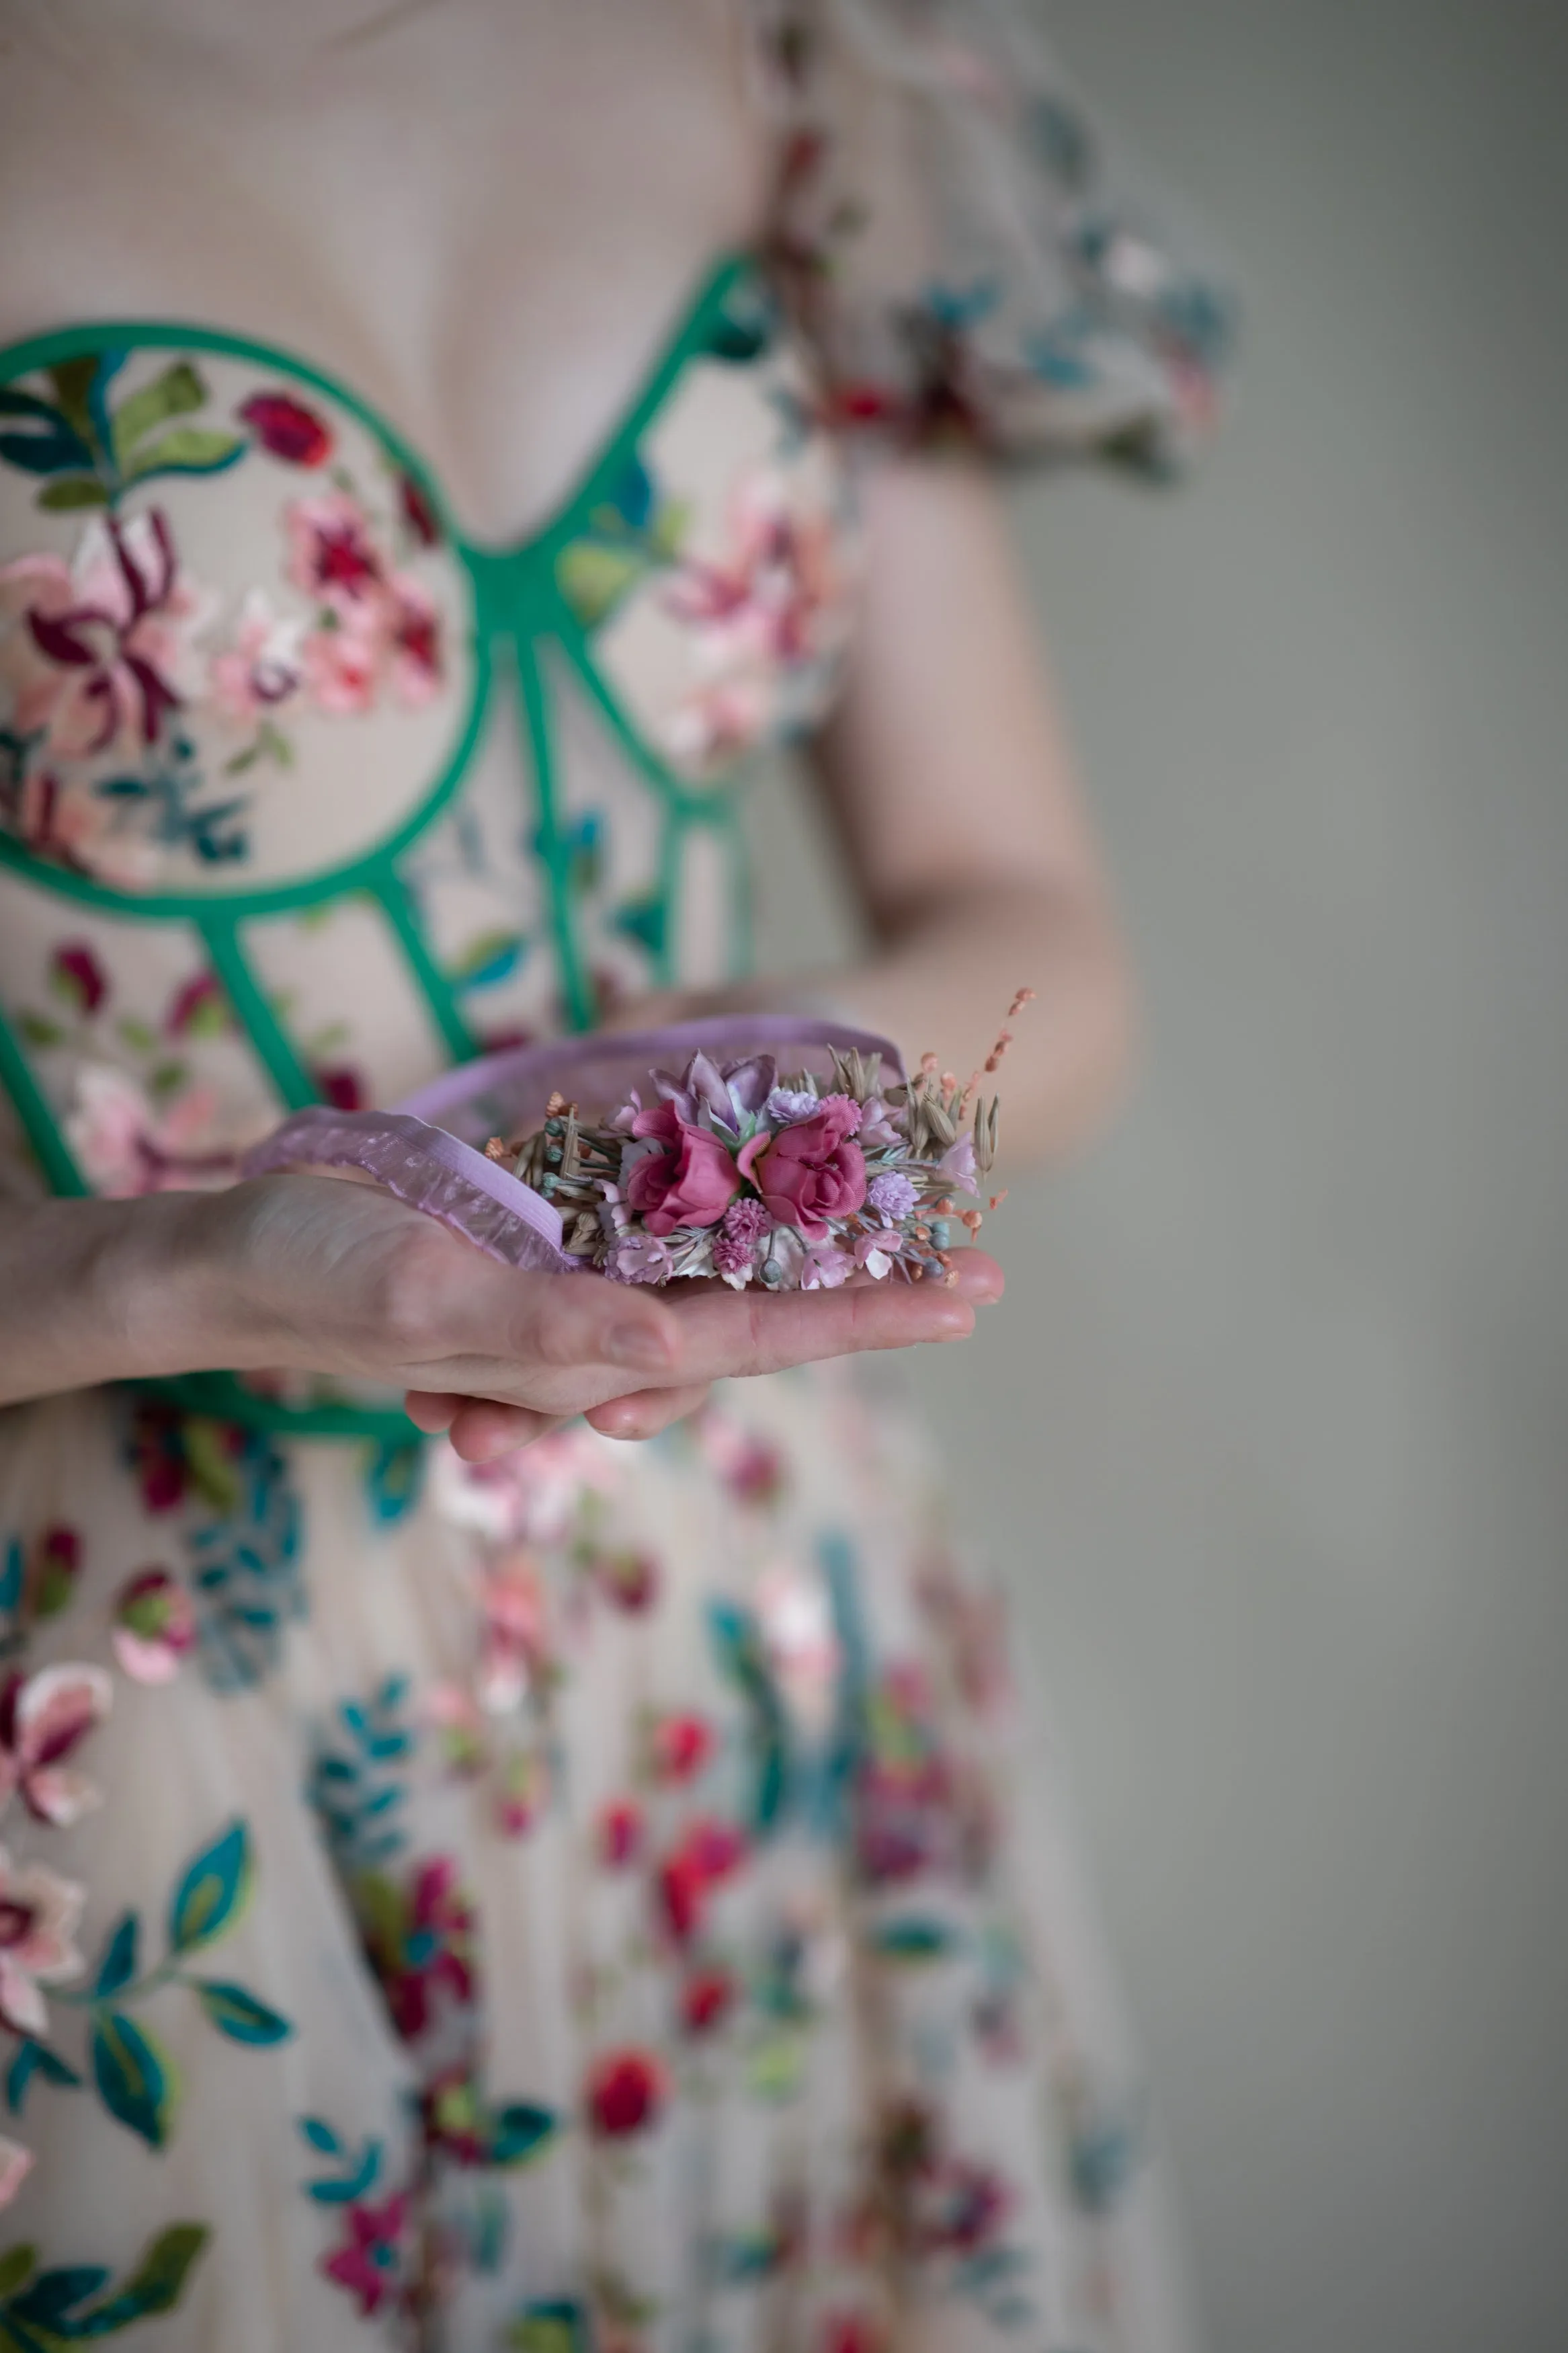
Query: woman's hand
x=312 y=1274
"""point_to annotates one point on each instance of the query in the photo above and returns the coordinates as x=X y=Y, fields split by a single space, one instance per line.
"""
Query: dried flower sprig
x=737 y=1171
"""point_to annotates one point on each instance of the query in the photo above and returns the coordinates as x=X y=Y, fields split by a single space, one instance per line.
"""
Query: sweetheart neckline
x=690 y=325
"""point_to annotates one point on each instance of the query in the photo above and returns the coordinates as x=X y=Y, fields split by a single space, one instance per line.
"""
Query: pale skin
x=386 y=187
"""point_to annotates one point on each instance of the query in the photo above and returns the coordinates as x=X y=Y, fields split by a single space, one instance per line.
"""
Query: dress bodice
x=302 y=791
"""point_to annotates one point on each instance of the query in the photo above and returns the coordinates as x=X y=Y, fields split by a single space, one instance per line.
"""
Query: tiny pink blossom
x=156 y=1626
x=15 y=2164
x=126 y=1149
x=100 y=651
x=38 y=1917
x=43 y=1717
x=264 y=666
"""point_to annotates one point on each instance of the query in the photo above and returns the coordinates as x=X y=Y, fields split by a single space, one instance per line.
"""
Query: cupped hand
x=341 y=1278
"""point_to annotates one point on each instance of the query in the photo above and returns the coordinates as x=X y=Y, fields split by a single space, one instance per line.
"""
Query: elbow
x=1087 y=1040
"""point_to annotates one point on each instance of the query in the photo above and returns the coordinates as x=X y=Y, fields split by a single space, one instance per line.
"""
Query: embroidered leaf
x=645 y=919
x=211 y=1894
x=355 y=2183
x=17 y=403
x=155 y=2286
x=12 y=1569
x=593 y=579
x=35 y=2059
x=53 y=448
x=321 y=2135
x=175 y=392
x=40 y=1031
x=188 y=449
x=49 y=2299
x=214 y=1472
x=913 y=1940
x=671 y=528
x=136 y=2078
x=79 y=386
x=118 y=1966
x=393 y=1477
x=239 y=2015
x=630 y=497
x=139 y=1035
x=485 y=962
x=554 y=2328
x=520 y=2131
x=16 y=2267
x=73 y=491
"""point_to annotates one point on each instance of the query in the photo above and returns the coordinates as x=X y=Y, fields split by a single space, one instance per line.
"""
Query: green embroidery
x=131 y=2073
x=76 y=2305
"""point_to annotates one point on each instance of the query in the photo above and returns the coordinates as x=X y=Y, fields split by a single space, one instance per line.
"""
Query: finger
x=645 y=1412
x=433 y=1410
x=563 y=1323
x=749 y=1331
x=483 y=1430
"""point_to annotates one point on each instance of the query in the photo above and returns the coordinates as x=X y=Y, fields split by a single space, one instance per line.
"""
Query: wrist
x=153 y=1284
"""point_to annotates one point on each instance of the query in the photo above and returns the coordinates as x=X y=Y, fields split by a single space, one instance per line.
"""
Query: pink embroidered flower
x=342 y=657
x=852 y=2332
x=513 y=1644
x=530 y=1497
x=810 y=1171
x=286 y=429
x=75 y=973
x=100 y=651
x=681 y=1745
x=707 y=1854
x=420 y=1941
x=154 y=1626
x=198 y=1009
x=717 y=723
x=418 y=514
x=775 y=595
x=629 y=1579
x=412 y=642
x=620 y=1833
x=15 y=2164
x=53 y=1571
x=264 y=664
x=332 y=554
x=43 y=1718
x=126 y=1149
x=38 y=1916
x=706 y=1999
x=625 y=2092
x=369 y=2263
x=690 y=1179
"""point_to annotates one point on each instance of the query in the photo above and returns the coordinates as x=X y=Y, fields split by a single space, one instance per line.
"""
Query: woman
x=466 y=1895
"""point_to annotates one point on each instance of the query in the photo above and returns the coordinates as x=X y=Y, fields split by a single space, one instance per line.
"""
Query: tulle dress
x=582 y=1902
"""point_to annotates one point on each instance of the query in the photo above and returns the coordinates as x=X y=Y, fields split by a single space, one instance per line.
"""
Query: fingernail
x=634 y=1345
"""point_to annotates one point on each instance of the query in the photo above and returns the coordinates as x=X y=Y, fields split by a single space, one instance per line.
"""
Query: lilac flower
x=892 y=1193
x=881 y=1125
x=787 y=1103
x=958 y=1162
x=733 y=1257
x=639 y=1258
x=825 y=1267
x=746 y=1221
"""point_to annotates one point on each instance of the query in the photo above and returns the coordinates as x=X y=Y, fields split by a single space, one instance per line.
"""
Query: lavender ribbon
x=412 y=1152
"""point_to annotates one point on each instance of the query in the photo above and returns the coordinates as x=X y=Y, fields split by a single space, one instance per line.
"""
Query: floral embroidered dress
x=576 y=1903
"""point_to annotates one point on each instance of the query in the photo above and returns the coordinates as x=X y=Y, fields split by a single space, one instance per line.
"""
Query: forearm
x=101 y=1290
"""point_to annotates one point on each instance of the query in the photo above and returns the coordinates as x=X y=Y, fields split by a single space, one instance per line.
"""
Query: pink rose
x=810 y=1171
x=689 y=1181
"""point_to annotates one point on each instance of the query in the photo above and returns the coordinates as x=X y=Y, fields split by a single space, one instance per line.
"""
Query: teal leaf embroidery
x=395 y=1478
x=136 y=2078
x=239 y=2014
x=913 y=1939
x=356 y=2174
x=32 y=2059
x=118 y=1966
x=247 y=1578
x=213 y=1891
x=39 y=2317
x=488 y=960
x=520 y=2131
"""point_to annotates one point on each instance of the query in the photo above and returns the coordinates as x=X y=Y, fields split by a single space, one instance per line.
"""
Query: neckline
x=691 y=325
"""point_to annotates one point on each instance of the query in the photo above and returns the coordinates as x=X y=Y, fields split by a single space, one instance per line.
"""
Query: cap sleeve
x=963 y=251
